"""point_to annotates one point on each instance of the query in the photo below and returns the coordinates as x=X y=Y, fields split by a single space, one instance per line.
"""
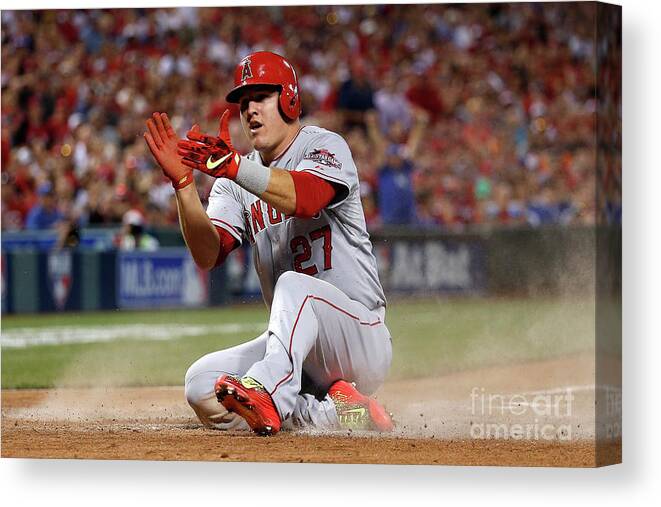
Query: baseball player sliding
x=296 y=199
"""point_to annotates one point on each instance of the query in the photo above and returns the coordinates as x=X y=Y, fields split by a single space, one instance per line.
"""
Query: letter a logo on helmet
x=266 y=68
x=246 y=73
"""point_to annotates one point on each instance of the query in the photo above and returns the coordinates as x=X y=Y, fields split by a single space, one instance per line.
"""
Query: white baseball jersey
x=334 y=246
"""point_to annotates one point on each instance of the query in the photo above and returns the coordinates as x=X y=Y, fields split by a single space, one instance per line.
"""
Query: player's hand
x=162 y=141
x=212 y=155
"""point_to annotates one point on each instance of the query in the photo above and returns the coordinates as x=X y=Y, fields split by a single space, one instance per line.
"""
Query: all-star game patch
x=325 y=157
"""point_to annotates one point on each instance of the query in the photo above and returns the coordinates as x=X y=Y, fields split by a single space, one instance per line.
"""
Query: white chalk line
x=61 y=335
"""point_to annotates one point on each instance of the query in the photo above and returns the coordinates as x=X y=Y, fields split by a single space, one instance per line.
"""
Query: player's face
x=261 y=119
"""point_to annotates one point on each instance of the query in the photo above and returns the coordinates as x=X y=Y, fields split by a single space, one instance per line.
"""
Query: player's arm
x=200 y=235
x=297 y=194
x=280 y=191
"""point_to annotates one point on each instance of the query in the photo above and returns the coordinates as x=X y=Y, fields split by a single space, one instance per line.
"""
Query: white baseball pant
x=316 y=335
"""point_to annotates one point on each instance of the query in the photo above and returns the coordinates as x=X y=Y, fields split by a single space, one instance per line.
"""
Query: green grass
x=429 y=337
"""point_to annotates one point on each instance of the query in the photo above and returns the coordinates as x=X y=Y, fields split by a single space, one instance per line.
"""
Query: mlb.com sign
x=142 y=279
x=157 y=279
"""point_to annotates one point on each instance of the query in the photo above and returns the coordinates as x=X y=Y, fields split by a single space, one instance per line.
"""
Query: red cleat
x=356 y=411
x=248 y=398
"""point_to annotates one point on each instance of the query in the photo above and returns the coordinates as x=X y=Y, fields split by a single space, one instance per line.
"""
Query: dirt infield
x=537 y=414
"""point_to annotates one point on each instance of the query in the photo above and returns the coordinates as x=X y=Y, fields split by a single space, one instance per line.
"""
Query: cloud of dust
x=101 y=397
x=542 y=342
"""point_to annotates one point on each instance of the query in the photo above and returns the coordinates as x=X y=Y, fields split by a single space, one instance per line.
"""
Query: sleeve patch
x=324 y=157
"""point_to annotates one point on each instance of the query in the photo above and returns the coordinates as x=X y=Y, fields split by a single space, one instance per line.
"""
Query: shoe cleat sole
x=237 y=404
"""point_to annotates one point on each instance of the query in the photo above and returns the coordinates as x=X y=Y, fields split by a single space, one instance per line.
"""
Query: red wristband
x=184 y=181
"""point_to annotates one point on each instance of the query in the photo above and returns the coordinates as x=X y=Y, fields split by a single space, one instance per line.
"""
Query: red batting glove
x=214 y=156
x=162 y=141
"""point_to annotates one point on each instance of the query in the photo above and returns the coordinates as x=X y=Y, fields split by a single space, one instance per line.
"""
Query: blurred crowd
x=456 y=114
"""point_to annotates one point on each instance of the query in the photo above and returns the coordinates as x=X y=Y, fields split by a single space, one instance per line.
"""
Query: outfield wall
x=36 y=277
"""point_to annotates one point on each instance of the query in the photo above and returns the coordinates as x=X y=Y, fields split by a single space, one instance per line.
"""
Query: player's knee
x=198 y=384
x=195 y=391
x=202 y=405
x=289 y=277
x=290 y=280
x=202 y=399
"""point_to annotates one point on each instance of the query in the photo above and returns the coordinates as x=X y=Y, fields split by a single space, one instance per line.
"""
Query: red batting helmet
x=266 y=68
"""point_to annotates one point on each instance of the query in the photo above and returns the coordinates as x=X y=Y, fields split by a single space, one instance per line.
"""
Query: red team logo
x=246 y=73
